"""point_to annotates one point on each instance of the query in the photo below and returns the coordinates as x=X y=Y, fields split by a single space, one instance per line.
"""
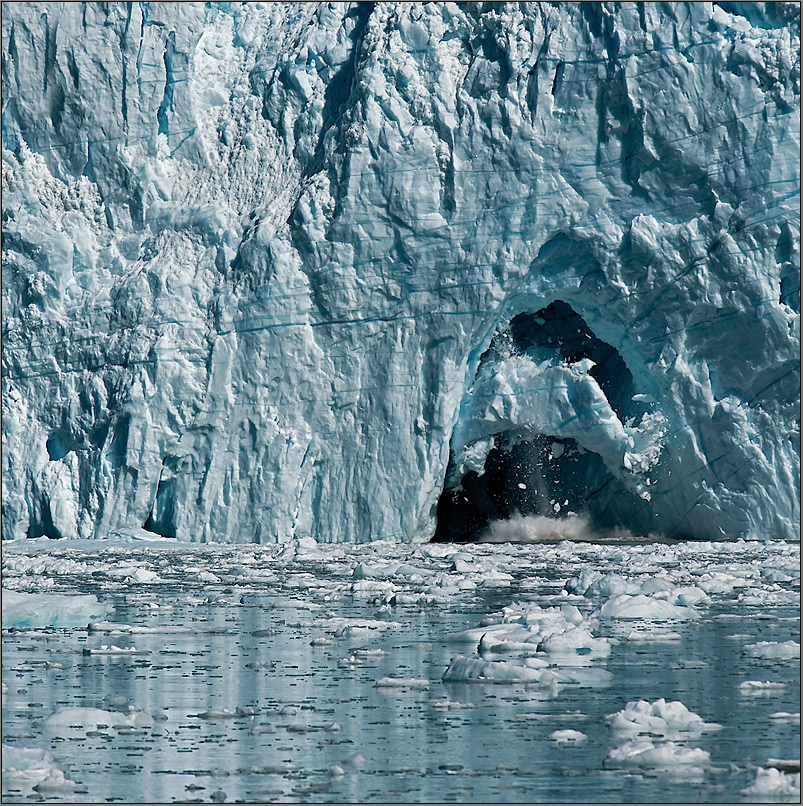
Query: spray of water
x=541 y=529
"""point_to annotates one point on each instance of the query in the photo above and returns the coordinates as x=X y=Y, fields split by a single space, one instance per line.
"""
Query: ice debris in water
x=112 y=649
x=760 y=688
x=70 y=717
x=625 y=606
x=463 y=669
x=553 y=645
x=591 y=583
x=774 y=783
x=661 y=755
x=773 y=650
x=786 y=716
x=670 y=720
x=31 y=769
x=51 y=609
x=567 y=736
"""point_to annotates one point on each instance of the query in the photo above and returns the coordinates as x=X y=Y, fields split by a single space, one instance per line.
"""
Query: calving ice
x=376 y=271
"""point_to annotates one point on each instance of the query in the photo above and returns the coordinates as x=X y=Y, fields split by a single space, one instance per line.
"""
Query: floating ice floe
x=118 y=628
x=669 y=720
x=30 y=769
x=463 y=669
x=526 y=626
x=641 y=606
x=773 y=782
x=661 y=755
x=144 y=576
x=760 y=688
x=773 y=650
x=559 y=637
x=342 y=627
x=532 y=670
x=786 y=716
x=111 y=649
x=51 y=609
x=70 y=717
x=368 y=571
x=567 y=736
x=650 y=637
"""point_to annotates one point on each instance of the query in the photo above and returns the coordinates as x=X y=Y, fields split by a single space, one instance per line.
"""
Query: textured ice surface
x=772 y=650
x=31 y=770
x=51 y=609
x=643 y=753
x=639 y=606
x=671 y=720
x=255 y=256
x=775 y=784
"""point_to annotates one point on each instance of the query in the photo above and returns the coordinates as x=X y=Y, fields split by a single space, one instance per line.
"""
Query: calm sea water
x=313 y=726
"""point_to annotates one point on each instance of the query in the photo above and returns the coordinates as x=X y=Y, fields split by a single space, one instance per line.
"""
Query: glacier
x=383 y=271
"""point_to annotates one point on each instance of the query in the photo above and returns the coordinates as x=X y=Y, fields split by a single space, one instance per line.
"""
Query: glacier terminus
x=385 y=271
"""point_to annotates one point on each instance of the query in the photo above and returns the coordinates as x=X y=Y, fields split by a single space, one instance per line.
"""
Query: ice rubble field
x=500 y=672
x=276 y=258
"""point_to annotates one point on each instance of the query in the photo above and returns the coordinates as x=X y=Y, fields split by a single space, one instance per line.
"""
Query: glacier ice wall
x=264 y=264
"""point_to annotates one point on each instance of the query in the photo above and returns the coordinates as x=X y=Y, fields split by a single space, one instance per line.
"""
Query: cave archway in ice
x=546 y=429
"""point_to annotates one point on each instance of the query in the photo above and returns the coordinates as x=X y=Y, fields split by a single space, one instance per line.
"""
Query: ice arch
x=552 y=424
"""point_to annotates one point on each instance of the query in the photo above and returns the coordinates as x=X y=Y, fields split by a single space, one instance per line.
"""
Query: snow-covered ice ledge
x=285 y=270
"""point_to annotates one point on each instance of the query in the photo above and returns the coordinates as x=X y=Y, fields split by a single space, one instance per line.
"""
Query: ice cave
x=527 y=471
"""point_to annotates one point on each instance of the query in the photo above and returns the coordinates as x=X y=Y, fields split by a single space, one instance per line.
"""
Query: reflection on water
x=273 y=697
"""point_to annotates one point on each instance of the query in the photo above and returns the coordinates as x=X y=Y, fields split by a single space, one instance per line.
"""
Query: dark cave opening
x=161 y=519
x=558 y=329
x=40 y=523
x=537 y=474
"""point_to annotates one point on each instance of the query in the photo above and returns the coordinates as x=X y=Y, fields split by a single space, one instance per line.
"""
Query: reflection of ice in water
x=313 y=672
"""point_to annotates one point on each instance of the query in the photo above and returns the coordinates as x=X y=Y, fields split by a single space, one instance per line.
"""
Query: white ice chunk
x=649 y=608
x=786 y=716
x=760 y=688
x=567 y=736
x=30 y=769
x=51 y=609
x=70 y=717
x=671 y=720
x=111 y=649
x=660 y=637
x=662 y=755
x=773 y=650
x=465 y=669
x=774 y=783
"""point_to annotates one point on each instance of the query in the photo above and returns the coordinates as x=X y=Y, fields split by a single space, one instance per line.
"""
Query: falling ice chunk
x=556 y=507
x=522 y=486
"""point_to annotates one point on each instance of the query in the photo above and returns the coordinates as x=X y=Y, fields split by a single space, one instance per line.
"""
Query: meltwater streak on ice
x=242 y=239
